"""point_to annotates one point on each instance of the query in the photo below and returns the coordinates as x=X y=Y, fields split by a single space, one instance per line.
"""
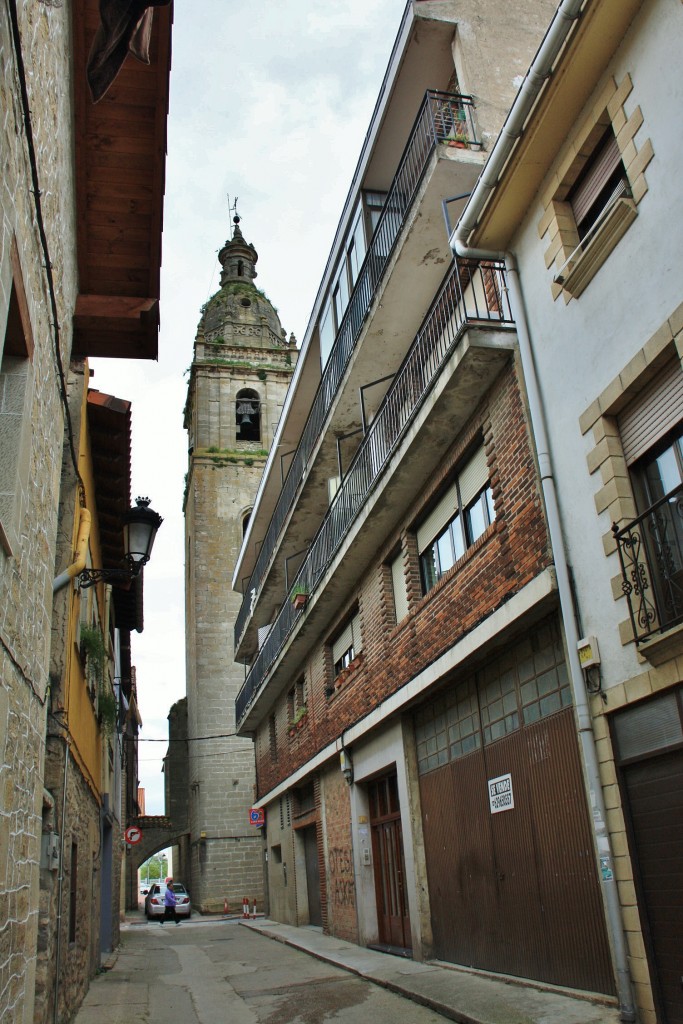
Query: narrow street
x=207 y=972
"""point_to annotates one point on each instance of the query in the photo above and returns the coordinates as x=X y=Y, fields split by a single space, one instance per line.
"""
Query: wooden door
x=389 y=864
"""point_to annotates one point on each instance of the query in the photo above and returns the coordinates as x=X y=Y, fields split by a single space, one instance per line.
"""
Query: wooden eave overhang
x=120 y=160
x=577 y=72
x=109 y=426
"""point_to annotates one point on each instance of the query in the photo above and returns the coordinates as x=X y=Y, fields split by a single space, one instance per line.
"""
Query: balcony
x=443 y=119
x=473 y=298
x=651 y=555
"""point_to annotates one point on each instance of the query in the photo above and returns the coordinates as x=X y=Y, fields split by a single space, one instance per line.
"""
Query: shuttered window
x=346 y=644
x=399 y=586
x=603 y=177
x=440 y=515
x=656 y=411
x=456 y=521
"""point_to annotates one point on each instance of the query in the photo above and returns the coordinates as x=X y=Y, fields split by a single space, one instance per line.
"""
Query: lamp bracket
x=90 y=577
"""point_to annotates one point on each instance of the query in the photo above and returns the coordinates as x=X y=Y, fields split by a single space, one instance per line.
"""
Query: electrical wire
x=28 y=130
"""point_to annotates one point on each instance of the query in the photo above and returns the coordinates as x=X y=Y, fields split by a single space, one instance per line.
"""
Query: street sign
x=257 y=817
x=133 y=835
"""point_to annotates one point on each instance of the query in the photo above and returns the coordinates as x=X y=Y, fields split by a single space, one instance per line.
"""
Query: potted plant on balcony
x=300 y=596
x=298 y=721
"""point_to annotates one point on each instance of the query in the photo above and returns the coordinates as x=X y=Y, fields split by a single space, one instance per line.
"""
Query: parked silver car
x=154 y=901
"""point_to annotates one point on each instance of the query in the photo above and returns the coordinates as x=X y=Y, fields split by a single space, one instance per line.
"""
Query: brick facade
x=512 y=551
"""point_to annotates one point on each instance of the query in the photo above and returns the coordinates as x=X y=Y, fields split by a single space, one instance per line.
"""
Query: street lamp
x=140 y=525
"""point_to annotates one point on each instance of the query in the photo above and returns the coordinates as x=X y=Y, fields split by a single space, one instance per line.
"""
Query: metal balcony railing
x=442 y=116
x=472 y=294
x=651 y=554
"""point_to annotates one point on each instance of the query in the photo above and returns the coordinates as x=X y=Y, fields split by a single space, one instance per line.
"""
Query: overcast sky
x=270 y=102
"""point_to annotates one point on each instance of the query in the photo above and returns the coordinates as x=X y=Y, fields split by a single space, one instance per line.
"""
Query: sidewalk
x=465 y=996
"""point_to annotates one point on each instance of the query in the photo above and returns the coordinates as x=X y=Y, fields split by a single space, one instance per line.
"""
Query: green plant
x=107 y=710
x=94 y=650
x=301 y=713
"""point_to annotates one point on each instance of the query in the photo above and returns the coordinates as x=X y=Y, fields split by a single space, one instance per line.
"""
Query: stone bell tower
x=240 y=372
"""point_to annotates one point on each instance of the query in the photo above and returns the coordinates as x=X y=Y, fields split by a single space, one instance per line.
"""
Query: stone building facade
x=240 y=372
x=31 y=429
x=53 y=307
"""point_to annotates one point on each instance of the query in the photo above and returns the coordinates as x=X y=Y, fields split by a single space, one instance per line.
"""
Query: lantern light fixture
x=140 y=526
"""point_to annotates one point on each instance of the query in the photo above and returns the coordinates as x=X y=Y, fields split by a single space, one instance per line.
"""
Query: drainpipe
x=78 y=564
x=541 y=67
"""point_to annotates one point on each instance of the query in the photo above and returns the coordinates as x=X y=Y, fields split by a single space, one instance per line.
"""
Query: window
x=600 y=183
x=272 y=737
x=527 y=683
x=340 y=294
x=651 y=429
x=327 y=333
x=457 y=520
x=248 y=415
x=596 y=200
x=356 y=248
x=346 y=645
x=15 y=388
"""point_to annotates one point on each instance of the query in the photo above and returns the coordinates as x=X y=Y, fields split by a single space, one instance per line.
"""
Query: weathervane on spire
x=233 y=209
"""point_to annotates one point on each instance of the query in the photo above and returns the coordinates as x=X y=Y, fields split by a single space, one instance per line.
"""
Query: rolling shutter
x=656 y=410
x=473 y=477
x=441 y=514
x=601 y=168
x=349 y=637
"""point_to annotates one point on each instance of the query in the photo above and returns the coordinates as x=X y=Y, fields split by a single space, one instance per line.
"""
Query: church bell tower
x=240 y=372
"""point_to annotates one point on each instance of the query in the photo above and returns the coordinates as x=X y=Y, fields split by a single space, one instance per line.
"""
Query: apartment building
x=585 y=202
x=408 y=685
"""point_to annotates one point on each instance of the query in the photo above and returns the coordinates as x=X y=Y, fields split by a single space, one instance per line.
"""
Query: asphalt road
x=208 y=972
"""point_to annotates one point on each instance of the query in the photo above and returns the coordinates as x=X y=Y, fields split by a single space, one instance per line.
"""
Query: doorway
x=393 y=916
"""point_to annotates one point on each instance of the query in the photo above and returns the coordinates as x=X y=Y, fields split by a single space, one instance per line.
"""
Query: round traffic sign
x=133 y=835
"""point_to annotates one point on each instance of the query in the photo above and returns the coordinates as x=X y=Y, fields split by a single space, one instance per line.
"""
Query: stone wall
x=225 y=853
x=27 y=564
x=71 y=960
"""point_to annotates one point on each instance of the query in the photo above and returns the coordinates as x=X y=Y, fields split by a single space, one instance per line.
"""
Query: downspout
x=78 y=565
x=539 y=71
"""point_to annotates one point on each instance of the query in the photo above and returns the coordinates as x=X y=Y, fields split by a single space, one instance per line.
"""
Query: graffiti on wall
x=340 y=867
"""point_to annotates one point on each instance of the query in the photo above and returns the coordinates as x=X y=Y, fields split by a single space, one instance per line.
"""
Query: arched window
x=240 y=268
x=248 y=415
x=245 y=522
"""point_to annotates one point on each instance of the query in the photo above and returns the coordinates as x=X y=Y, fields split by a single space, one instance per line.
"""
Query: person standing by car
x=169 y=903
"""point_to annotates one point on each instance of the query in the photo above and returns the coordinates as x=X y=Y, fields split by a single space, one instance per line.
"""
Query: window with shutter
x=456 y=521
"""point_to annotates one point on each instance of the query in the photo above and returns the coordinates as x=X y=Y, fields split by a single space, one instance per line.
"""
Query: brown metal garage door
x=514 y=891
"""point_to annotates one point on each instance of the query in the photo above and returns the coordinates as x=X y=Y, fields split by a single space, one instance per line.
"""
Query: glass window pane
x=445 y=549
x=429 y=568
x=476 y=520
x=458 y=539
x=327 y=334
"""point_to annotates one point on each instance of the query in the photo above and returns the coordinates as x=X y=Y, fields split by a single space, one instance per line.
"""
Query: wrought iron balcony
x=472 y=294
x=651 y=554
x=443 y=117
